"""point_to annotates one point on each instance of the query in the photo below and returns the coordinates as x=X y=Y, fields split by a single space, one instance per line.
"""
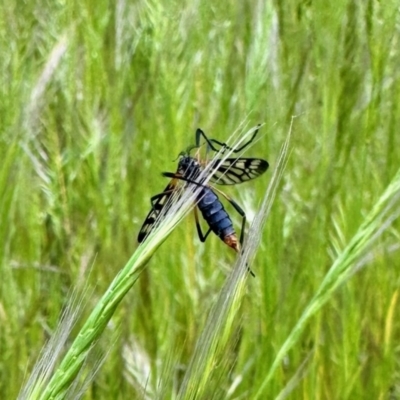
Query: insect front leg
x=182 y=178
x=200 y=133
x=224 y=146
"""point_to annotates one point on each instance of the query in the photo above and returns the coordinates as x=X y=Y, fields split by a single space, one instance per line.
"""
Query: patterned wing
x=237 y=170
x=160 y=203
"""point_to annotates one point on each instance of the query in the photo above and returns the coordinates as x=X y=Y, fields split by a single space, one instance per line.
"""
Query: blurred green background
x=98 y=98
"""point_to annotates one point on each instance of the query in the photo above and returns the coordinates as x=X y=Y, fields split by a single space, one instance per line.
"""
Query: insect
x=230 y=171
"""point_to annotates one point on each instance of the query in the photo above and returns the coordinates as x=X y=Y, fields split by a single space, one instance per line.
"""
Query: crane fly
x=230 y=171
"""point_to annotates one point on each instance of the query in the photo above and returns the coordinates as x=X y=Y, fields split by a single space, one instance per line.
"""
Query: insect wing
x=237 y=170
x=160 y=202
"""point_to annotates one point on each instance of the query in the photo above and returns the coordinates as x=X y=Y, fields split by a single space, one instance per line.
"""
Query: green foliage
x=97 y=98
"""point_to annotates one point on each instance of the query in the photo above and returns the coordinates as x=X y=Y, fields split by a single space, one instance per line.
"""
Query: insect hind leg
x=202 y=236
x=244 y=219
x=238 y=209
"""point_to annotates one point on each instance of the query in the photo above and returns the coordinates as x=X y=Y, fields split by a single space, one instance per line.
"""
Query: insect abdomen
x=214 y=213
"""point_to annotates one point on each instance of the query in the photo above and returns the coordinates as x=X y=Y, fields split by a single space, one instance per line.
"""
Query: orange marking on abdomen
x=232 y=241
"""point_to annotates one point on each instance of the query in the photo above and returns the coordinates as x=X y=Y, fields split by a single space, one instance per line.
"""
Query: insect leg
x=224 y=146
x=200 y=133
x=202 y=237
x=237 y=208
x=242 y=214
x=182 y=178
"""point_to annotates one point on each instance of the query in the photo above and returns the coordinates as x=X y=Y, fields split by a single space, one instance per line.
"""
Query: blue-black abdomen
x=215 y=215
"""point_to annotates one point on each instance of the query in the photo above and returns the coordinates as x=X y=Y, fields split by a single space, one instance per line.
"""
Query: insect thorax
x=189 y=167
